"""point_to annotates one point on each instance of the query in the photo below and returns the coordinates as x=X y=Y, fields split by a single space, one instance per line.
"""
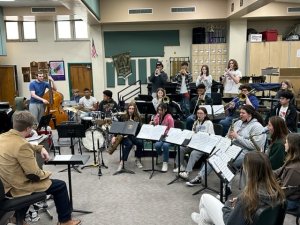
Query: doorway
x=80 y=77
x=8 y=84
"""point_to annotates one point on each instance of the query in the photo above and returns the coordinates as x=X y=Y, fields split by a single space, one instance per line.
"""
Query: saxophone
x=251 y=137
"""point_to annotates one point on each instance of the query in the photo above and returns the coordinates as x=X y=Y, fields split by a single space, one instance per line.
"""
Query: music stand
x=145 y=108
x=123 y=128
x=44 y=122
x=71 y=130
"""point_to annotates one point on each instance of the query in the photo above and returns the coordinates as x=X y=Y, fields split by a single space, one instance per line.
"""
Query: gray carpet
x=130 y=198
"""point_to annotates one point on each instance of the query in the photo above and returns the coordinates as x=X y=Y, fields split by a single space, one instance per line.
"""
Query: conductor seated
x=87 y=103
x=108 y=105
x=20 y=172
x=201 y=99
x=244 y=98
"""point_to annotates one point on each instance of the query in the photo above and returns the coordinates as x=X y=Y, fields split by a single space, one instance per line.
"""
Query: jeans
x=190 y=122
x=165 y=146
x=226 y=124
x=292 y=204
x=128 y=142
x=185 y=105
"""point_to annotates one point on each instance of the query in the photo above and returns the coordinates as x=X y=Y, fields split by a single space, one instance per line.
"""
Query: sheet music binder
x=126 y=128
x=179 y=137
x=150 y=132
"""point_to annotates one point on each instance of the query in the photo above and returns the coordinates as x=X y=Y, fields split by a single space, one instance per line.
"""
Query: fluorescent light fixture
x=7 y=0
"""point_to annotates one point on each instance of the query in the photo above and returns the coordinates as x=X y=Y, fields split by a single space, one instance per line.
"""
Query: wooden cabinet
x=276 y=54
x=213 y=55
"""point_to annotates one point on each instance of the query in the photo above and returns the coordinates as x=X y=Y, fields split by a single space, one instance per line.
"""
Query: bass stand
x=205 y=186
x=152 y=168
x=92 y=129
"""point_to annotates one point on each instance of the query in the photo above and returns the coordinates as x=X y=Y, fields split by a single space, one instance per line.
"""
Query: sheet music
x=178 y=136
x=208 y=109
x=218 y=109
x=33 y=138
x=62 y=157
x=233 y=151
x=223 y=144
x=220 y=166
x=204 y=142
x=150 y=132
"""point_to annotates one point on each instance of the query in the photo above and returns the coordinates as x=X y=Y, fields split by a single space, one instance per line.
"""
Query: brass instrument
x=241 y=98
x=114 y=146
x=166 y=100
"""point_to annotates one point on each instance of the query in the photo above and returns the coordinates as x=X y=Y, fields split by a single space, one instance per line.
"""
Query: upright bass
x=55 y=100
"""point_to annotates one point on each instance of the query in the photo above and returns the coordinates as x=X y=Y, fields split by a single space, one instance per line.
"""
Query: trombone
x=241 y=98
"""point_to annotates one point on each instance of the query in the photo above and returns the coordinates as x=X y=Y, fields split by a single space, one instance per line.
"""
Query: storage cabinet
x=213 y=55
x=279 y=54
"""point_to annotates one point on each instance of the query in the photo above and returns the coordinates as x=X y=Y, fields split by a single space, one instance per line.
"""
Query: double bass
x=54 y=107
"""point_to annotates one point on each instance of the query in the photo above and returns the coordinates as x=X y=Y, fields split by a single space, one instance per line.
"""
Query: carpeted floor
x=127 y=199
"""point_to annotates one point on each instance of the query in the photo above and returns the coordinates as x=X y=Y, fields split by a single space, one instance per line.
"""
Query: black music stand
x=123 y=128
x=73 y=160
x=95 y=164
x=71 y=130
x=44 y=122
x=145 y=108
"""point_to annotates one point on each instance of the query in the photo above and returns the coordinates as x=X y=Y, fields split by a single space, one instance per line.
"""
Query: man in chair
x=20 y=173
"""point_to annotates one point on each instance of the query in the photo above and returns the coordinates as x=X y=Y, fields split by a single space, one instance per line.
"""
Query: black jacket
x=290 y=117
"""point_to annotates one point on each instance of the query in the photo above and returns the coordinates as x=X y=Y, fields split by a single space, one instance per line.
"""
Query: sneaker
x=195 y=217
x=184 y=175
x=120 y=167
x=182 y=169
x=138 y=163
x=193 y=182
x=164 y=167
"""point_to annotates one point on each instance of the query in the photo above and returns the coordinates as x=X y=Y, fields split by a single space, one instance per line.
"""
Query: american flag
x=93 y=51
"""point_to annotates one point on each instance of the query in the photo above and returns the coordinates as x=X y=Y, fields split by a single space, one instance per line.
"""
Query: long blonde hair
x=259 y=173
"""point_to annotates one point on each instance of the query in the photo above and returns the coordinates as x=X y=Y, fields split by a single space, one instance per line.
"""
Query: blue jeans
x=292 y=204
x=128 y=142
x=190 y=122
x=185 y=105
x=226 y=124
x=165 y=146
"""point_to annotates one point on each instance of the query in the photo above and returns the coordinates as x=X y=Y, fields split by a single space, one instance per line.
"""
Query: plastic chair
x=218 y=128
x=270 y=215
x=16 y=204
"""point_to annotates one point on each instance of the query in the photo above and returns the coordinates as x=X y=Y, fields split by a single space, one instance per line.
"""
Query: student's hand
x=45 y=101
x=45 y=154
x=233 y=202
x=113 y=140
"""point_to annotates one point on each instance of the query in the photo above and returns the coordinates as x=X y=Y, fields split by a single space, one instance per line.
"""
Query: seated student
x=286 y=110
x=200 y=99
x=128 y=141
x=87 y=103
x=286 y=85
x=160 y=94
x=108 y=105
x=289 y=173
x=202 y=124
x=249 y=125
x=75 y=95
x=236 y=103
x=17 y=160
x=163 y=117
x=276 y=151
x=261 y=190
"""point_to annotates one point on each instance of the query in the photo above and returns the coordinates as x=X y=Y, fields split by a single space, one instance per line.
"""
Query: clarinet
x=254 y=143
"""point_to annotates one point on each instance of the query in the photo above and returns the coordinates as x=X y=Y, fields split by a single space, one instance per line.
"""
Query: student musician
x=163 y=117
x=108 y=105
x=130 y=140
x=183 y=79
x=247 y=133
x=287 y=111
x=87 y=103
x=75 y=95
x=201 y=99
x=231 y=79
x=205 y=78
x=37 y=89
x=289 y=173
x=160 y=94
x=276 y=150
x=202 y=124
x=158 y=78
x=261 y=190
x=286 y=85
x=245 y=98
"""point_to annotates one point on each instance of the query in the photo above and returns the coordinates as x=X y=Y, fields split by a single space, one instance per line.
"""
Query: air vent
x=183 y=9
x=43 y=10
x=140 y=11
x=293 y=10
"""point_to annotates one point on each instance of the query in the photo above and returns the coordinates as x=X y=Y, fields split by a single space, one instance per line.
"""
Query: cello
x=54 y=107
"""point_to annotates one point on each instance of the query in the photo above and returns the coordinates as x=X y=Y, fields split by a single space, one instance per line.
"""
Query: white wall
x=46 y=49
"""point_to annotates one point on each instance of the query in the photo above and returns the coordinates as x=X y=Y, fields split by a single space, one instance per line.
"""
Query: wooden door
x=81 y=77
x=8 y=84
